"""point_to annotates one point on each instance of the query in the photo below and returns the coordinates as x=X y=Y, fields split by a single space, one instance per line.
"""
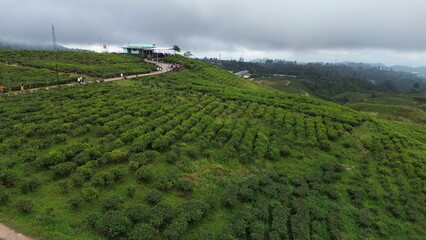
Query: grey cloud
x=204 y=25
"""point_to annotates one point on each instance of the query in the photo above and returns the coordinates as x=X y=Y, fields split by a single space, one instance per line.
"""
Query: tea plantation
x=38 y=68
x=202 y=154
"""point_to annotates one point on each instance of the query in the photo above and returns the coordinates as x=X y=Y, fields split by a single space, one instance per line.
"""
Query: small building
x=243 y=74
x=148 y=50
x=137 y=48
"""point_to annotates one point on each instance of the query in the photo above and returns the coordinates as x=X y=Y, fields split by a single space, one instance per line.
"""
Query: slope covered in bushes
x=38 y=68
x=201 y=154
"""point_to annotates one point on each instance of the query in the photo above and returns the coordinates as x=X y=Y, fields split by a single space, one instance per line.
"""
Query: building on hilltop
x=148 y=50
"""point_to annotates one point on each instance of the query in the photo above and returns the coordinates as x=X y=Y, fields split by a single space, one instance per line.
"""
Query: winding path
x=165 y=67
x=7 y=233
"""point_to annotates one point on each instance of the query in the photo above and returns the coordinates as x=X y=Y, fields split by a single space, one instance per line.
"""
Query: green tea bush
x=29 y=185
x=117 y=155
x=175 y=229
x=136 y=214
x=28 y=155
x=75 y=202
x=113 y=225
x=63 y=169
x=119 y=173
x=160 y=214
x=8 y=178
x=154 y=196
x=145 y=174
x=130 y=191
x=52 y=158
x=4 y=196
x=185 y=185
x=142 y=232
x=112 y=202
x=89 y=194
x=24 y=206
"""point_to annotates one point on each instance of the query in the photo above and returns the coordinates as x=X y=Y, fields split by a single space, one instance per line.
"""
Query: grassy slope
x=38 y=68
x=262 y=164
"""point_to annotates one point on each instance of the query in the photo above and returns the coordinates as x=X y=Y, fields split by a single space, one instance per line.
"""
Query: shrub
x=77 y=179
x=193 y=211
x=103 y=179
x=51 y=159
x=75 y=202
x=63 y=169
x=8 y=178
x=112 y=202
x=28 y=155
x=119 y=173
x=154 y=196
x=29 y=185
x=64 y=186
x=258 y=230
x=25 y=206
x=230 y=198
x=160 y=214
x=117 y=155
x=4 y=196
x=133 y=166
x=91 y=219
x=113 y=224
x=130 y=191
x=186 y=185
x=135 y=213
x=145 y=174
x=89 y=193
x=142 y=232
x=175 y=229
x=171 y=157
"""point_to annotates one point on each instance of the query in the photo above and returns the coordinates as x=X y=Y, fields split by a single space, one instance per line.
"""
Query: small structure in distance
x=244 y=74
x=148 y=50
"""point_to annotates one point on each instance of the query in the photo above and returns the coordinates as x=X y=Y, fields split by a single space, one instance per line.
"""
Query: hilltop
x=202 y=154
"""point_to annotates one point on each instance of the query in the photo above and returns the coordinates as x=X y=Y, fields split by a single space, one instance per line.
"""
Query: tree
x=187 y=54
x=176 y=48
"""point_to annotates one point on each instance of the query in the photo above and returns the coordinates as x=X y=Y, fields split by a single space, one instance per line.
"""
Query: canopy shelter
x=146 y=49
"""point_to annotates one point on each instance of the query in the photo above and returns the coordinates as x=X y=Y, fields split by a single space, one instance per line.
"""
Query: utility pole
x=56 y=53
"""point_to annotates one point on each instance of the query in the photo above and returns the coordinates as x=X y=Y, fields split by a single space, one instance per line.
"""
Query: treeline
x=363 y=76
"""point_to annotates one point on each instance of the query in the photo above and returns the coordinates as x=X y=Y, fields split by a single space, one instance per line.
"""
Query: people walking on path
x=22 y=87
x=1 y=89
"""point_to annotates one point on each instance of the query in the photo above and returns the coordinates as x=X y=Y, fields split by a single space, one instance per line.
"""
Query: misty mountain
x=22 y=46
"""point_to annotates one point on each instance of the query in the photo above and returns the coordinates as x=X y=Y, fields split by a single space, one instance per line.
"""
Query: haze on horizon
x=385 y=31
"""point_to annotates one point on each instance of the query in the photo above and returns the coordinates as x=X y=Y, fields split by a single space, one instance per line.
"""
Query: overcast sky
x=387 y=31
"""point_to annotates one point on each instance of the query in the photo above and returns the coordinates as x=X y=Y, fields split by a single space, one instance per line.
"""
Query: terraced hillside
x=38 y=68
x=202 y=154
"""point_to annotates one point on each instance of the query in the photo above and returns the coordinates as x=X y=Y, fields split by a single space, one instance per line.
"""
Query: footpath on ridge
x=165 y=67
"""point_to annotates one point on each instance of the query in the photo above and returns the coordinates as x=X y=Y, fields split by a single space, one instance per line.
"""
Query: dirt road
x=7 y=233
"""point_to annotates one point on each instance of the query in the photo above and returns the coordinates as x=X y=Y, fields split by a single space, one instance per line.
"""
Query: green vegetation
x=202 y=154
x=38 y=68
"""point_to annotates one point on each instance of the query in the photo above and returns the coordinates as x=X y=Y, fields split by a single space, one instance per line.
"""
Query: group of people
x=21 y=88
x=175 y=66
x=80 y=80
x=123 y=76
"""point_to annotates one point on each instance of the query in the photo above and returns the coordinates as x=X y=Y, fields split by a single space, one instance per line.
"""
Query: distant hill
x=22 y=46
x=420 y=71
x=316 y=76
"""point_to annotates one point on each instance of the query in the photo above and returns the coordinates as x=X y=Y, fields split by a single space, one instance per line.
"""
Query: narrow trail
x=164 y=66
x=7 y=233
